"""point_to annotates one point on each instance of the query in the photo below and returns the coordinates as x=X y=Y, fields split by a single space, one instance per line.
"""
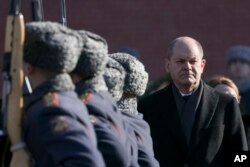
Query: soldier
x=238 y=59
x=57 y=129
x=92 y=90
x=114 y=77
x=135 y=83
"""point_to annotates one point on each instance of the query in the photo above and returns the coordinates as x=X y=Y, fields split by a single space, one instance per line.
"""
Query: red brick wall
x=149 y=26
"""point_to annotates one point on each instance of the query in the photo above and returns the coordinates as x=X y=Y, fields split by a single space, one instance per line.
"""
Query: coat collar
x=128 y=105
x=59 y=83
x=170 y=116
x=96 y=84
x=204 y=116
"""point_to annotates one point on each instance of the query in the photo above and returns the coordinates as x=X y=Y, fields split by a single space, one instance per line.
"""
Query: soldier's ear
x=75 y=77
x=28 y=69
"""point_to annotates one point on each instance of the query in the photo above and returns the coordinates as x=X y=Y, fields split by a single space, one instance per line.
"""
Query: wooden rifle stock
x=15 y=99
x=12 y=100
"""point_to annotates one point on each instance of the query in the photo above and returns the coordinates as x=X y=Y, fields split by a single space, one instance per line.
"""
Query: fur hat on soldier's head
x=114 y=77
x=136 y=77
x=51 y=46
x=94 y=55
x=239 y=52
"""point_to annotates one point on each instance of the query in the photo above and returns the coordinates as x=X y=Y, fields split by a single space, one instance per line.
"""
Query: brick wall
x=150 y=25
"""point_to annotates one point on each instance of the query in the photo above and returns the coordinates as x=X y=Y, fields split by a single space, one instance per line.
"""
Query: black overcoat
x=217 y=129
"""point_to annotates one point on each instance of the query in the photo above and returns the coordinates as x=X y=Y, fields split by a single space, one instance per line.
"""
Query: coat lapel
x=171 y=117
x=203 y=118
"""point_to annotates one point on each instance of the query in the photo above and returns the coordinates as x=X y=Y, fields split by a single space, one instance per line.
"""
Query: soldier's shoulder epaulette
x=51 y=99
x=85 y=97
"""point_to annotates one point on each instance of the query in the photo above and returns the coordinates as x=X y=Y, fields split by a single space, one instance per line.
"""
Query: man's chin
x=188 y=83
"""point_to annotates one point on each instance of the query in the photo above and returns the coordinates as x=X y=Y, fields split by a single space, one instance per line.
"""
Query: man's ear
x=167 y=63
x=203 y=64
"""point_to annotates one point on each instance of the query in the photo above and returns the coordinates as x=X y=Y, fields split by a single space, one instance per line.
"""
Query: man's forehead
x=186 y=46
x=186 y=55
x=183 y=56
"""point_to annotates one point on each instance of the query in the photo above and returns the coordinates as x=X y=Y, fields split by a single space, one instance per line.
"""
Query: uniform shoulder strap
x=85 y=97
x=51 y=99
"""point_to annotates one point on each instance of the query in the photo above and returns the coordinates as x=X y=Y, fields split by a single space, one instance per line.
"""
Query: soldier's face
x=185 y=66
x=239 y=69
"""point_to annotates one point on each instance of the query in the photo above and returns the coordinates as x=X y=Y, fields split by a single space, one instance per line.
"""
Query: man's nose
x=187 y=66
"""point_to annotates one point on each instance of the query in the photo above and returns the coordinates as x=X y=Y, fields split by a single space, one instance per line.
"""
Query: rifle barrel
x=15 y=7
x=37 y=10
x=63 y=13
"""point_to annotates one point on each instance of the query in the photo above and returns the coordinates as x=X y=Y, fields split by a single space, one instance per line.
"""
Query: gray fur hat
x=114 y=77
x=51 y=46
x=94 y=55
x=136 y=77
x=239 y=52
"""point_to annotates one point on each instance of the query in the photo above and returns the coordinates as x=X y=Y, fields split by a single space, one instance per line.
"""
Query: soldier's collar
x=96 y=84
x=61 y=82
x=128 y=105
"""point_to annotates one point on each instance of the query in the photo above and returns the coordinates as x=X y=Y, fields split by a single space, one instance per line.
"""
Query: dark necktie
x=187 y=119
x=186 y=97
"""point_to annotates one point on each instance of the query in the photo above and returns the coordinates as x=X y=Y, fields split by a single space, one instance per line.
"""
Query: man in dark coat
x=191 y=124
x=57 y=129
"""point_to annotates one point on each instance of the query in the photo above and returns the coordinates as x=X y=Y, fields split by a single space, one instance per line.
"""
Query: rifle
x=36 y=15
x=13 y=70
x=12 y=100
x=37 y=10
x=63 y=19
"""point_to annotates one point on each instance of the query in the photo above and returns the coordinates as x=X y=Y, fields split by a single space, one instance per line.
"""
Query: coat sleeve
x=146 y=159
x=145 y=146
x=112 y=149
x=237 y=136
x=66 y=140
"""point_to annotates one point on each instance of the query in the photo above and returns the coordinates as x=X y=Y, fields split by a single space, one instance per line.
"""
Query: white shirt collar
x=184 y=94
